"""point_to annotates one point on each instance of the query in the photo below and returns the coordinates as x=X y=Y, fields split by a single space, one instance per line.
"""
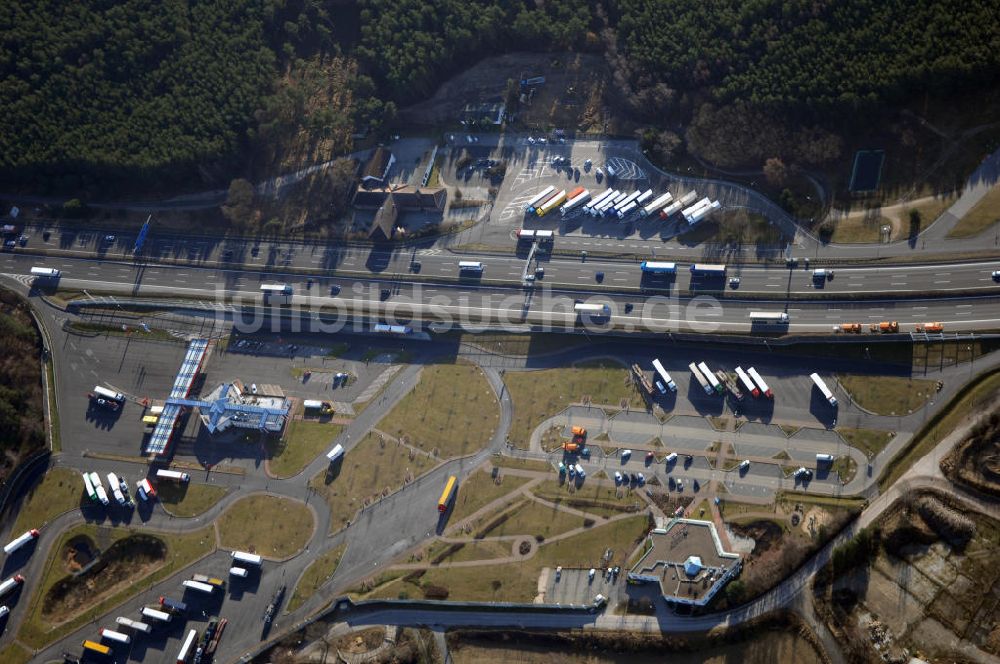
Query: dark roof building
x=385 y=221
x=407 y=197
x=377 y=169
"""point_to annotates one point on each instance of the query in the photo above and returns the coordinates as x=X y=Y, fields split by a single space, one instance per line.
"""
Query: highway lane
x=440 y=264
x=474 y=302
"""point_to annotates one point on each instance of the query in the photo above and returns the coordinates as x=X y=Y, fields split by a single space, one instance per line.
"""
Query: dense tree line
x=816 y=53
x=22 y=426
x=126 y=89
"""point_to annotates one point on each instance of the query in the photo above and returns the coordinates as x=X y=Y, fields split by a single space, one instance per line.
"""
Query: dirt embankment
x=975 y=462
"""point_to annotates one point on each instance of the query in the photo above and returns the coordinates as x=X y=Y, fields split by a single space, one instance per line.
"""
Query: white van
x=238 y=571
x=580 y=472
x=672 y=457
x=335 y=453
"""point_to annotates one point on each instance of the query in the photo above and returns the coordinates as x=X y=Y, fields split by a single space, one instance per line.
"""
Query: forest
x=98 y=96
x=21 y=423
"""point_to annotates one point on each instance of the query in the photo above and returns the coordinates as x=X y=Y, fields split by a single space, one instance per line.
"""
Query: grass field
x=869 y=441
x=887 y=395
x=370 y=469
x=319 y=572
x=59 y=491
x=14 y=654
x=477 y=550
x=538 y=395
x=733 y=228
x=506 y=343
x=267 y=525
x=479 y=490
x=981 y=217
x=518 y=581
x=947 y=419
x=535 y=519
x=187 y=499
x=452 y=411
x=522 y=464
x=182 y=550
x=304 y=441
x=591 y=498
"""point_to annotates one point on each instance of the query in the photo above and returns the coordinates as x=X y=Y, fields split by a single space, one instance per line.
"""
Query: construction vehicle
x=929 y=327
x=885 y=327
x=854 y=328
x=571 y=448
x=579 y=434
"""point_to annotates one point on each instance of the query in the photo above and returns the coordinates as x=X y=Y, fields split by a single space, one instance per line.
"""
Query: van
x=238 y=571
x=671 y=458
x=335 y=453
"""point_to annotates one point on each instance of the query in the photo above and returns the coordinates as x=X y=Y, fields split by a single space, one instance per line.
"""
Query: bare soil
x=364 y=641
x=975 y=461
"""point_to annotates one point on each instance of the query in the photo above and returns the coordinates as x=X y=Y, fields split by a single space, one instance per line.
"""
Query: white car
x=558 y=572
x=618 y=477
x=590 y=576
x=580 y=471
x=253 y=388
x=625 y=455
x=640 y=479
x=996 y=275
x=745 y=465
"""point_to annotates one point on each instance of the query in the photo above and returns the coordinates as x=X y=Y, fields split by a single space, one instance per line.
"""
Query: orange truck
x=885 y=327
x=571 y=447
x=930 y=327
x=578 y=432
x=848 y=327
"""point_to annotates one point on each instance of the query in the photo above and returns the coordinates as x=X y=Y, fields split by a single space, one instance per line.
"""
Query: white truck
x=824 y=390
x=20 y=541
x=115 y=485
x=657 y=205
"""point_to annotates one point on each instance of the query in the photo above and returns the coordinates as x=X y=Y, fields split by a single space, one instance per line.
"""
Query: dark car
x=384 y=294
x=334 y=289
x=599 y=277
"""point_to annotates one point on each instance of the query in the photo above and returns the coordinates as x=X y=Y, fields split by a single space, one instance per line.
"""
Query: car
x=670 y=483
x=599 y=277
x=415 y=267
x=680 y=485
x=109 y=239
x=543 y=140
x=539 y=273
x=734 y=282
x=640 y=479
x=46 y=235
x=996 y=275
x=591 y=573
x=254 y=250
x=572 y=470
x=628 y=307
x=529 y=277
x=580 y=472
x=558 y=572
x=10 y=244
x=587 y=164
x=384 y=294
x=253 y=388
x=309 y=283
x=649 y=458
x=744 y=465
x=625 y=455
x=599 y=171
x=227 y=255
x=803 y=473
x=23 y=240
x=662 y=389
x=618 y=477
x=531 y=140
x=694 y=485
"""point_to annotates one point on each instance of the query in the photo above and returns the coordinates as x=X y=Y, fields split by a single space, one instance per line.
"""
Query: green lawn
x=479 y=490
x=370 y=469
x=305 y=440
x=591 y=498
x=522 y=464
x=535 y=519
x=518 y=581
x=869 y=441
x=187 y=499
x=538 y=395
x=733 y=228
x=267 y=525
x=507 y=343
x=858 y=228
x=182 y=550
x=319 y=572
x=985 y=213
x=59 y=491
x=452 y=411
x=887 y=395
x=14 y=654
x=947 y=419
x=474 y=550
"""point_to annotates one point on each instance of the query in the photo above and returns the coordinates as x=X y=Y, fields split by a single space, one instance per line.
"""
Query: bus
x=470 y=266
x=668 y=382
x=108 y=394
x=45 y=272
x=713 y=381
x=448 y=494
x=821 y=384
x=275 y=289
x=248 y=558
x=658 y=267
x=187 y=647
x=538 y=199
x=112 y=635
x=775 y=317
x=708 y=270
x=95 y=647
x=177 y=476
x=206 y=588
x=591 y=309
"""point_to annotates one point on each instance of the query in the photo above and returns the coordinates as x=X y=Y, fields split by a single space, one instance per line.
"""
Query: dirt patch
x=131 y=558
x=364 y=641
x=813 y=519
x=975 y=461
x=79 y=552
